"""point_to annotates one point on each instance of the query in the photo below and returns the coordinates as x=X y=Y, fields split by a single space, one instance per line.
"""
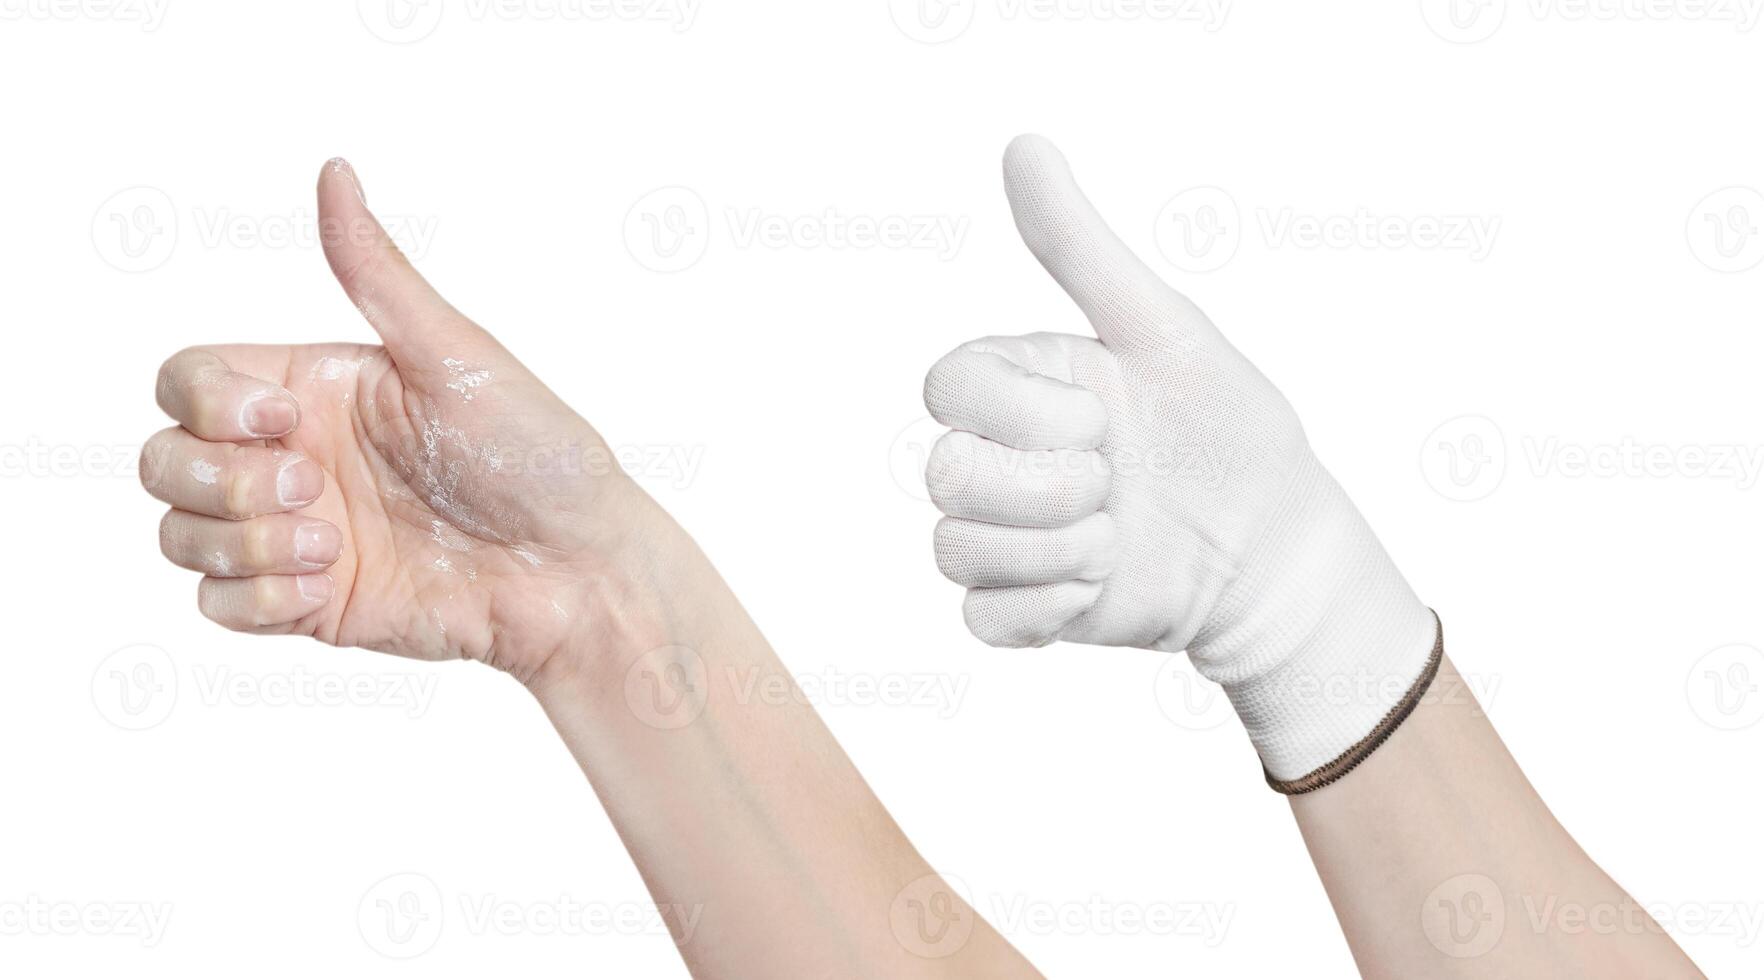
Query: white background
x=773 y=384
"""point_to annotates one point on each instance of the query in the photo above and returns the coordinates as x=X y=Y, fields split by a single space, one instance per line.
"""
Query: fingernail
x=316 y=587
x=317 y=544
x=268 y=416
x=299 y=482
x=343 y=167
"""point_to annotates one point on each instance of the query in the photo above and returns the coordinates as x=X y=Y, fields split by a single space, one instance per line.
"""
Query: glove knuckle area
x=972 y=477
x=1026 y=615
x=994 y=395
x=977 y=554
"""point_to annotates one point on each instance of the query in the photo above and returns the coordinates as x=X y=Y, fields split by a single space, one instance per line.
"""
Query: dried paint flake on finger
x=203 y=471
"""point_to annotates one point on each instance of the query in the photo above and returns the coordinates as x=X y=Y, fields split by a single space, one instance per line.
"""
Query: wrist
x=1320 y=639
x=641 y=583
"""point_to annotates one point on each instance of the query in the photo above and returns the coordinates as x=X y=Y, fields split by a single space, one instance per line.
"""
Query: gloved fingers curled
x=991 y=395
x=983 y=555
x=982 y=480
x=1026 y=615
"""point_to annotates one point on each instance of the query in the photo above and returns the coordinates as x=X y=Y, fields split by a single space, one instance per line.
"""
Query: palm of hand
x=474 y=508
x=444 y=554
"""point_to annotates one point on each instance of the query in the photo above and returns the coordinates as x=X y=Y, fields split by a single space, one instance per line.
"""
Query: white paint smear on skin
x=444 y=485
x=204 y=471
x=531 y=558
x=442 y=564
x=463 y=379
x=448 y=538
x=328 y=369
x=439 y=480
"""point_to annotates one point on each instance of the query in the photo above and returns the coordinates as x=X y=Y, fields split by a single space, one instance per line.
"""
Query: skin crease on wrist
x=431 y=498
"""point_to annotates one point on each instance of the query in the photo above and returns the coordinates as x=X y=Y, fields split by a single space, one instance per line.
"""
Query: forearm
x=740 y=810
x=1442 y=861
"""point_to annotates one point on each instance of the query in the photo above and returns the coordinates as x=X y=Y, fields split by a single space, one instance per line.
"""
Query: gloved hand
x=1150 y=488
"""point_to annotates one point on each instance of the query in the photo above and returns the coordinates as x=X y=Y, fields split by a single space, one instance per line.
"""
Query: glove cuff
x=1357 y=753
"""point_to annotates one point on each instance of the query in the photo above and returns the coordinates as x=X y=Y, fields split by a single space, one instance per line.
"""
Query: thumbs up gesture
x=1148 y=487
x=428 y=498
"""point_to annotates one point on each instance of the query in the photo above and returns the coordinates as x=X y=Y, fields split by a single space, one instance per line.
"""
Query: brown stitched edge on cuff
x=1357 y=753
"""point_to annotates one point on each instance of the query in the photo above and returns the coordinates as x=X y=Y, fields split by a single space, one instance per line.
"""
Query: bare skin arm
x=736 y=802
x=1442 y=861
x=431 y=498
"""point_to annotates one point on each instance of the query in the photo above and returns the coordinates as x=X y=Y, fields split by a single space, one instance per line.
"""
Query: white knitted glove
x=1150 y=488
